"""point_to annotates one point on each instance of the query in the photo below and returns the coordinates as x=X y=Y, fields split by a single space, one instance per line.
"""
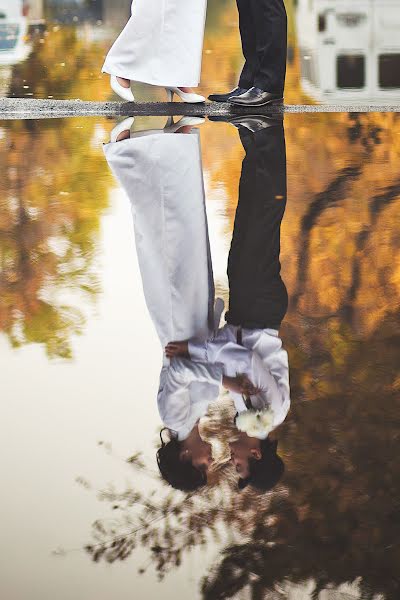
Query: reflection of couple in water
x=162 y=175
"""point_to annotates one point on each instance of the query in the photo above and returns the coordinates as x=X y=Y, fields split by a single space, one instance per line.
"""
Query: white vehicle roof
x=11 y=9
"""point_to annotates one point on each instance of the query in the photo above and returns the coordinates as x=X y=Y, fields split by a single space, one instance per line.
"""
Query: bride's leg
x=126 y=83
x=185 y=128
x=122 y=87
x=124 y=135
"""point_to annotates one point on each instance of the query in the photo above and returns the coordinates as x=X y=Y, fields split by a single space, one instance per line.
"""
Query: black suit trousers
x=258 y=297
x=263 y=29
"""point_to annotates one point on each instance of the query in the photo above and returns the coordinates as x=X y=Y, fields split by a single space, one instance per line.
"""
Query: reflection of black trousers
x=257 y=295
x=263 y=29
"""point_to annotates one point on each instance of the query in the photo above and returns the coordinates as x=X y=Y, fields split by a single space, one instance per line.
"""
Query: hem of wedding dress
x=141 y=134
x=149 y=81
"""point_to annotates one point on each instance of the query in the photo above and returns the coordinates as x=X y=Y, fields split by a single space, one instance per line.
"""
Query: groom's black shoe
x=256 y=123
x=225 y=97
x=256 y=97
x=253 y=123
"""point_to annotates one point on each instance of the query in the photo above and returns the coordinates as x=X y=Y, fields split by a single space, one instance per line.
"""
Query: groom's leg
x=271 y=34
x=257 y=294
x=248 y=36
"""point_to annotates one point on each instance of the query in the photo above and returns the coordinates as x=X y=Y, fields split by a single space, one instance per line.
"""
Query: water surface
x=80 y=366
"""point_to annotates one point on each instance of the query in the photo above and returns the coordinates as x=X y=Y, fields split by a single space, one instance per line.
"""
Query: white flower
x=256 y=423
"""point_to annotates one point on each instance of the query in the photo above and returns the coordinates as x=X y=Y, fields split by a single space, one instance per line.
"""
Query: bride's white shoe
x=172 y=127
x=189 y=98
x=120 y=90
x=125 y=124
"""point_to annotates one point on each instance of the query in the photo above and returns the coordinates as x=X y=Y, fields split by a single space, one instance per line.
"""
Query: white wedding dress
x=162 y=176
x=161 y=44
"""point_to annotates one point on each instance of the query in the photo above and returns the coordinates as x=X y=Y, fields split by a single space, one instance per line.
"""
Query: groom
x=263 y=29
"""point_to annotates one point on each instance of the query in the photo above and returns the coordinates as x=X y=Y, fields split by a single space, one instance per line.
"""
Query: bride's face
x=199 y=455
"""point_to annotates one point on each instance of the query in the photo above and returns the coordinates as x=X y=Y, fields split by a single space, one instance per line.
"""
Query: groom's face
x=242 y=450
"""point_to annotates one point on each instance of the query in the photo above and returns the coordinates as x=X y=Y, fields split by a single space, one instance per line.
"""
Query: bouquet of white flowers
x=256 y=423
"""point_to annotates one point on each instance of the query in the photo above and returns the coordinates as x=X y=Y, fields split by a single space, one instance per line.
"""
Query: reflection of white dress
x=162 y=176
x=161 y=44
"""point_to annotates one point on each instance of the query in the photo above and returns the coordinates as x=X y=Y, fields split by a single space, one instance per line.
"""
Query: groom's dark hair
x=264 y=473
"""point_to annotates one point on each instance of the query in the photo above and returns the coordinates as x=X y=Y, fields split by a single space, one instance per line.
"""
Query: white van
x=14 y=25
x=350 y=50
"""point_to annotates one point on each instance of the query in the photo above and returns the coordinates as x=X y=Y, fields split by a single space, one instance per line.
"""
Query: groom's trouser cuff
x=263 y=29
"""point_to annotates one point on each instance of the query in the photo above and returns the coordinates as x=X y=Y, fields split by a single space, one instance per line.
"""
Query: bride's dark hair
x=179 y=474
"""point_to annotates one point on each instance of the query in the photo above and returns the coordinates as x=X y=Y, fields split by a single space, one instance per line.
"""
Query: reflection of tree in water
x=342 y=232
x=49 y=227
x=339 y=190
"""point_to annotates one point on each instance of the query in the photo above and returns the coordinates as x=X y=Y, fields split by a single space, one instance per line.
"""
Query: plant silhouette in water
x=168 y=523
x=168 y=526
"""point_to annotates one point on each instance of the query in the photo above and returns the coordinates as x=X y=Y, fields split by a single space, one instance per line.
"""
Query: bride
x=161 y=45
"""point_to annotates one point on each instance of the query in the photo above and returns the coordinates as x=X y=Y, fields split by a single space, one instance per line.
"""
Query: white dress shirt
x=261 y=357
x=186 y=390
